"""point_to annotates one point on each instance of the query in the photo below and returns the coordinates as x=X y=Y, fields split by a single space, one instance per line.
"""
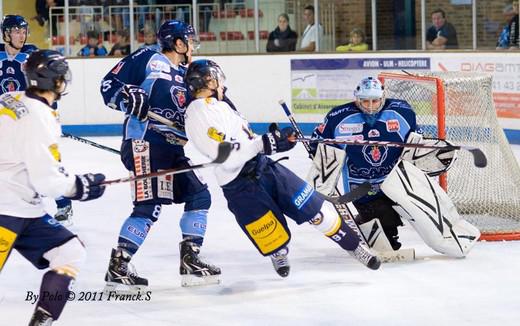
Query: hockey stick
x=91 y=143
x=479 y=158
x=224 y=149
x=355 y=194
x=167 y=123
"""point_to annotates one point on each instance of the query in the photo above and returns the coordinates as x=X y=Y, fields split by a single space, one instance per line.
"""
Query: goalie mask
x=201 y=73
x=369 y=95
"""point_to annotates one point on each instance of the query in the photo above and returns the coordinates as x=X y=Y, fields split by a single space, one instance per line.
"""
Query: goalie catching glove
x=277 y=141
x=135 y=101
x=432 y=161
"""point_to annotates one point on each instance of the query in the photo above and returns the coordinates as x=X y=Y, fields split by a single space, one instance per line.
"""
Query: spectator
x=283 y=38
x=42 y=13
x=94 y=48
x=441 y=35
x=309 y=34
x=357 y=42
x=150 y=40
x=503 y=38
x=122 y=45
x=514 y=41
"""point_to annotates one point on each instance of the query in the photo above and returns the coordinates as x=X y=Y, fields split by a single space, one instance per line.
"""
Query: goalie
x=401 y=181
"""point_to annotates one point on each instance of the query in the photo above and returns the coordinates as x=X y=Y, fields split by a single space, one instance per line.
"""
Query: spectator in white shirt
x=309 y=34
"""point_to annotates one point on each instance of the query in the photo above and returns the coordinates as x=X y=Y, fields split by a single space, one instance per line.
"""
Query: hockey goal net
x=459 y=107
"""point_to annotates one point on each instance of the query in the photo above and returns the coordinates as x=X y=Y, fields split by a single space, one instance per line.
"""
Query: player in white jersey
x=259 y=191
x=30 y=169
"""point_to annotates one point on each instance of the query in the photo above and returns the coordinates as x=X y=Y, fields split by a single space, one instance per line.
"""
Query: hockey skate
x=64 y=215
x=193 y=270
x=41 y=317
x=121 y=276
x=280 y=260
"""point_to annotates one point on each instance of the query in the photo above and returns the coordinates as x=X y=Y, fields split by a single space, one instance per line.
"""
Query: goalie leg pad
x=326 y=169
x=423 y=203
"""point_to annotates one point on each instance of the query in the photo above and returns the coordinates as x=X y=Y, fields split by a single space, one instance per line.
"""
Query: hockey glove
x=88 y=186
x=135 y=101
x=277 y=141
x=432 y=161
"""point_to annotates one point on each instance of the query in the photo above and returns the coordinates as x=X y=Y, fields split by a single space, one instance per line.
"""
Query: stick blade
x=224 y=149
x=479 y=158
x=351 y=196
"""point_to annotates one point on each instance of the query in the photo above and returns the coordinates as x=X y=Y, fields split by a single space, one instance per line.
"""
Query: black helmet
x=200 y=73
x=13 y=21
x=44 y=70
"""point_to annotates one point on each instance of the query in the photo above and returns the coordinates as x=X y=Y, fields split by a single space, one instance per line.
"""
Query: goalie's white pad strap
x=429 y=210
x=378 y=242
x=431 y=161
x=326 y=168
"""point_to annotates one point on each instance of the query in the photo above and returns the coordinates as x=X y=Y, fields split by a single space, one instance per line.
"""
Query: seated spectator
x=356 y=42
x=441 y=35
x=283 y=38
x=122 y=46
x=503 y=38
x=150 y=41
x=514 y=41
x=93 y=48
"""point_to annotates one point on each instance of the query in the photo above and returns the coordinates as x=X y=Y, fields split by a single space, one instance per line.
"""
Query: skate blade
x=192 y=280
x=401 y=255
x=123 y=288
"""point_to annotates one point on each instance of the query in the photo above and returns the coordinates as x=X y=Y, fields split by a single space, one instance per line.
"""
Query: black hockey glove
x=136 y=101
x=277 y=141
x=88 y=186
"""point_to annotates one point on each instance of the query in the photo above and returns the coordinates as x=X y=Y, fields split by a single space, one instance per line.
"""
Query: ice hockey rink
x=326 y=286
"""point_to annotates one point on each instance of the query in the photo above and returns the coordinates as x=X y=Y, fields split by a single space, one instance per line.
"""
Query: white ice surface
x=325 y=287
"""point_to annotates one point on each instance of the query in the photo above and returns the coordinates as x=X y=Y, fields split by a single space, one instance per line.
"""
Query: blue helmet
x=172 y=30
x=200 y=73
x=13 y=21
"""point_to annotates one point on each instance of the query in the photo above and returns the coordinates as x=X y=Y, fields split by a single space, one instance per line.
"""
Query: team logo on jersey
x=392 y=125
x=55 y=152
x=118 y=67
x=350 y=128
x=10 y=85
x=10 y=70
x=179 y=79
x=373 y=133
x=216 y=135
x=181 y=98
x=375 y=155
x=178 y=95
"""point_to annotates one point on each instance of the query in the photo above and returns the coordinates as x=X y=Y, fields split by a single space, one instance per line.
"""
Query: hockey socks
x=133 y=233
x=54 y=292
x=328 y=222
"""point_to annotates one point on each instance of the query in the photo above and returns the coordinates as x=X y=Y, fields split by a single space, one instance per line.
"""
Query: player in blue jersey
x=143 y=83
x=13 y=54
x=371 y=117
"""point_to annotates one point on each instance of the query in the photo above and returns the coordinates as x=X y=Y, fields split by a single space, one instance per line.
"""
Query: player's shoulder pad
x=11 y=105
x=158 y=63
x=29 y=48
x=392 y=103
x=343 y=109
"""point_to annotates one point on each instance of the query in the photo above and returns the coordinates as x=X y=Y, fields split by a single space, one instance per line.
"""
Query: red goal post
x=459 y=107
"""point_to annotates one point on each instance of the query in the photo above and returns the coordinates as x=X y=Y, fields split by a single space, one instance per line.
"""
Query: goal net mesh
x=459 y=107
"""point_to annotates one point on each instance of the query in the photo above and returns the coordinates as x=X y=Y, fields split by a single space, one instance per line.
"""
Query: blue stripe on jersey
x=135 y=129
x=404 y=127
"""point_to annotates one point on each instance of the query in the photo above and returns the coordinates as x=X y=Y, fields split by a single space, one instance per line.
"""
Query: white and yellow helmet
x=370 y=89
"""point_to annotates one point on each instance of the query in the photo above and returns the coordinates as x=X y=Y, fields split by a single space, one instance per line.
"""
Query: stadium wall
x=257 y=82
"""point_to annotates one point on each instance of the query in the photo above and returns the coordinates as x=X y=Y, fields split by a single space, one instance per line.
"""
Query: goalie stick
x=479 y=158
x=224 y=149
x=354 y=194
x=91 y=143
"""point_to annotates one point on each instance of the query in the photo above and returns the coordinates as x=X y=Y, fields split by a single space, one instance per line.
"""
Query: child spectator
x=357 y=42
x=93 y=48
